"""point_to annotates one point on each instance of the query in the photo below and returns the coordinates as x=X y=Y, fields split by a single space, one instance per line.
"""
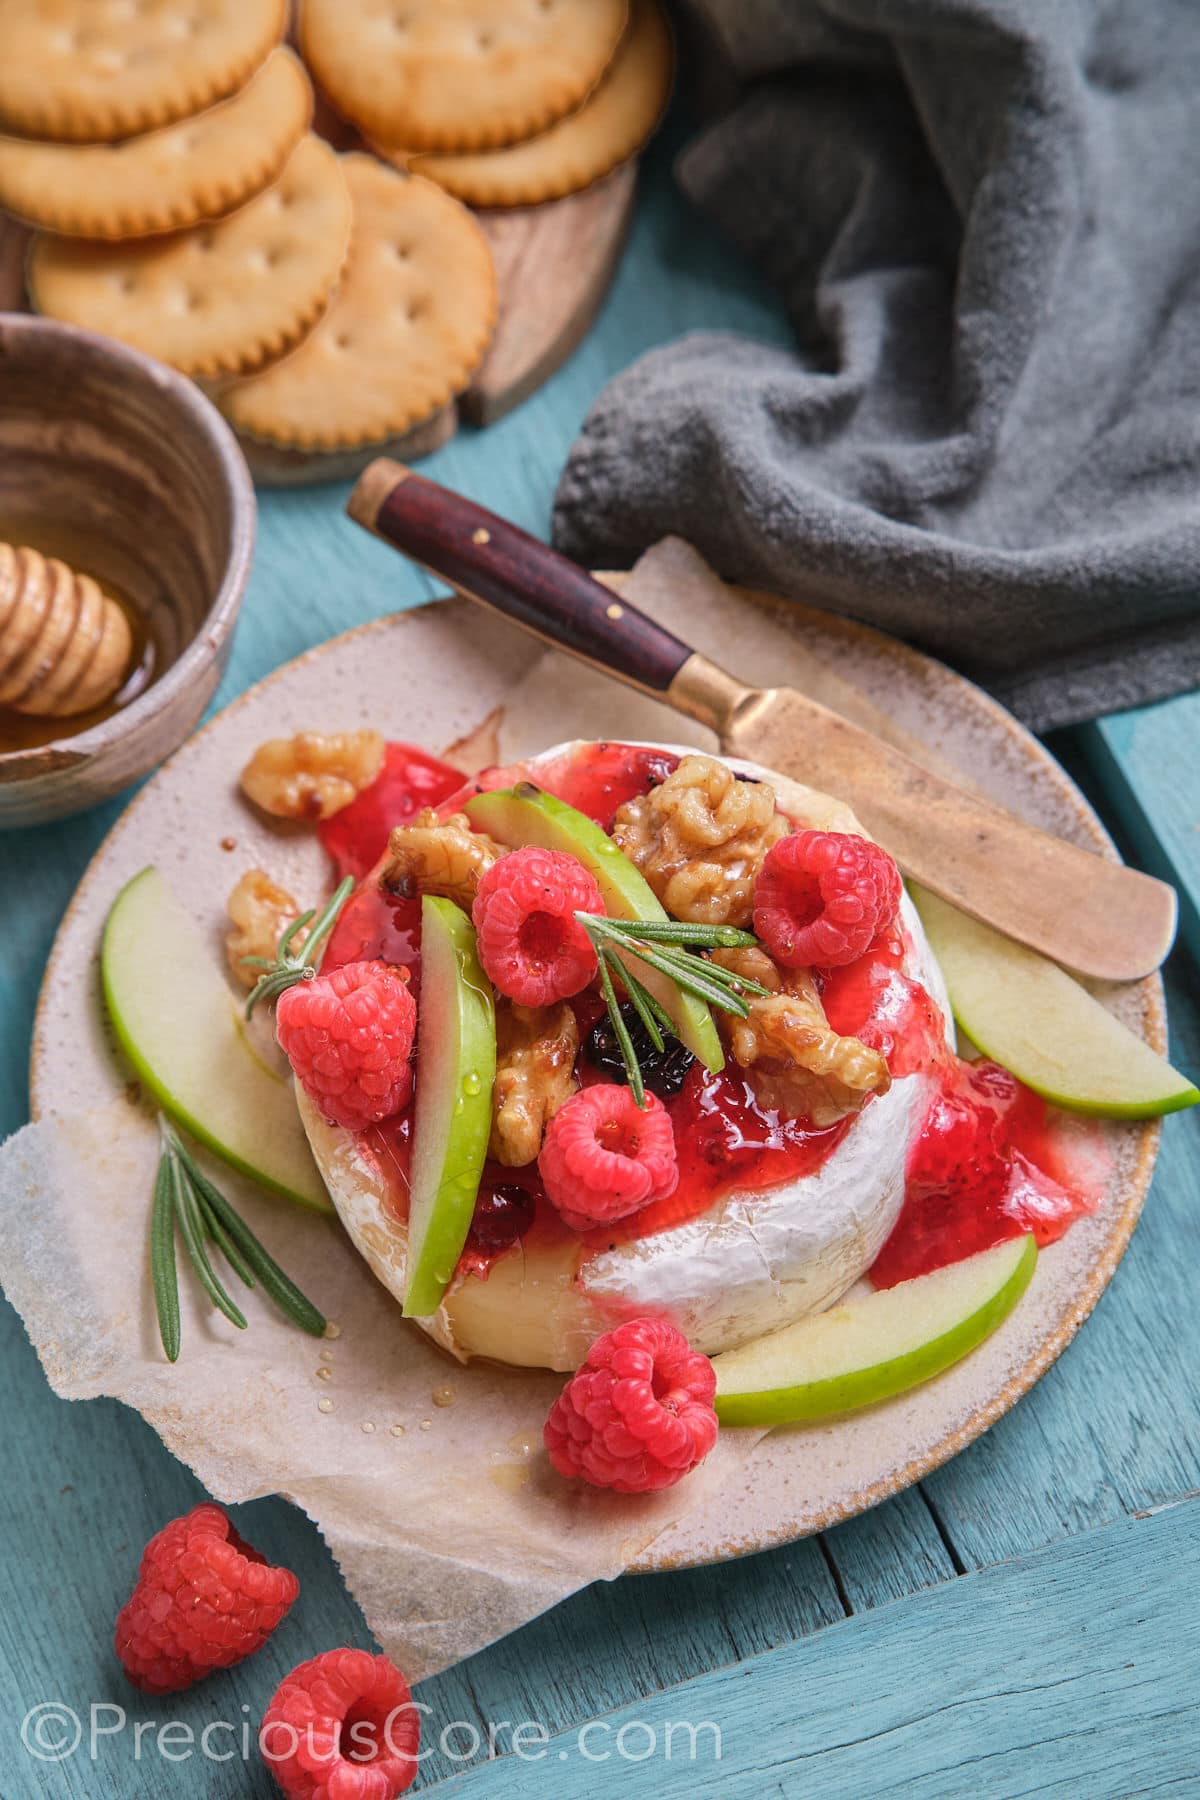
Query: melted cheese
x=750 y=1264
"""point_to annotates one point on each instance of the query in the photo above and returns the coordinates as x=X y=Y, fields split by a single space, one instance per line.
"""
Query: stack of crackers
x=164 y=152
x=508 y=104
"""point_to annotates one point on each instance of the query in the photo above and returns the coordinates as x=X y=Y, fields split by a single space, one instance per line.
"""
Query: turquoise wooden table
x=1023 y=1623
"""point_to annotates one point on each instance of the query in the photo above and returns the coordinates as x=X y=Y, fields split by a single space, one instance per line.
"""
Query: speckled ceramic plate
x=432 y=676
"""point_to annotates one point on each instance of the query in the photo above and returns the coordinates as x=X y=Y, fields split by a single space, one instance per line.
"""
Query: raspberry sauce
x=991 y=1160
x=875 y=1001
x=374 y=923
x=724 y=1141
x=598 y=782
x=410 y=779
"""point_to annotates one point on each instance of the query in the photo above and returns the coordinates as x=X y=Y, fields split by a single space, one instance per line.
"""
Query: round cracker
x=458 y=74
x=408 y=326
x=86 y=70
x=199 y=168
x=221 y=298
x=611 y=126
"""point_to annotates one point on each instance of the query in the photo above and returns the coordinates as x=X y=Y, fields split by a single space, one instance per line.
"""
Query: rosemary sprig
x=294 y=964
x=191 y=1226
x=676 y=931
x=162 y=1260
x=185 y=1197
x=676 y=958
x=225 y=1244
x=670 y=948
x=281 y=1288
x=644 y=1004
x=633 y=1067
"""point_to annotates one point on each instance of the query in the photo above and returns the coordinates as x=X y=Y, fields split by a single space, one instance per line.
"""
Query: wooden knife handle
x=492 y=561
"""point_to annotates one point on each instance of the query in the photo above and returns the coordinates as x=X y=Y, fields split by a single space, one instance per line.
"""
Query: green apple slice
x=866 y=1350
x=179 y=1025
x=456 y=1069
x=1031 y=1016
x=525 y=814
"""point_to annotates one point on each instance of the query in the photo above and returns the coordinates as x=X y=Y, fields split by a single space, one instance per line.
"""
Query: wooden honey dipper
x=64 y=644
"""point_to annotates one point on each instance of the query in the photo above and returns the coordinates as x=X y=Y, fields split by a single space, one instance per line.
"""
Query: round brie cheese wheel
x=750 y=1264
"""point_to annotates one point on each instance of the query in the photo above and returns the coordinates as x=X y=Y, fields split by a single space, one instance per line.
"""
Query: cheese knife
x=1096 y=917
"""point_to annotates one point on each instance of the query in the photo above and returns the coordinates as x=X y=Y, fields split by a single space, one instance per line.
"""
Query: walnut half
x=699 y=838
x=794 y=1060
x=443 y=857
x=536 y=1048
x=312 y=776
x=258 y=909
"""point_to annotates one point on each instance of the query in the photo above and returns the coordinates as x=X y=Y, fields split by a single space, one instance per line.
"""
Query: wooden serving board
x=553 y=267
x=14 y=244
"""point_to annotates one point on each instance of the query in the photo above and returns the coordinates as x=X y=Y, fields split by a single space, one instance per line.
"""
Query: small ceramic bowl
x=106 y=449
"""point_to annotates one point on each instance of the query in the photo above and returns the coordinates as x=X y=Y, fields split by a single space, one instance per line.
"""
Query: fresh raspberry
x=342 y=1727
x=348 y=1036
x=204 y=1599
x=530 y=942
x=821 y=896
x=604 y=1156
x=639 y=1413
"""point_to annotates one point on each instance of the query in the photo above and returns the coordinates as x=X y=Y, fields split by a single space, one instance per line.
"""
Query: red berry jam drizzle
x=604 y=777
x=991 y=1160
x=410 y=779
x=875 y=1001
x=374 y=923
x=724 y=1139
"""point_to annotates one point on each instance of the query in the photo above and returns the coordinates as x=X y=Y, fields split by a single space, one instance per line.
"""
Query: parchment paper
x=446 y=1520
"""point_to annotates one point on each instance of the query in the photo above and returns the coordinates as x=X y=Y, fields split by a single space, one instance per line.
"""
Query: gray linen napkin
x=985 y=218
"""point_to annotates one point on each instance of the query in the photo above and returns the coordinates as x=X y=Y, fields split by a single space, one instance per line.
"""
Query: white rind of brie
x=752 y=1263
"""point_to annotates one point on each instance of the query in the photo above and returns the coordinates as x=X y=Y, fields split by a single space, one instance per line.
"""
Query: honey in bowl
x=74 y=647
